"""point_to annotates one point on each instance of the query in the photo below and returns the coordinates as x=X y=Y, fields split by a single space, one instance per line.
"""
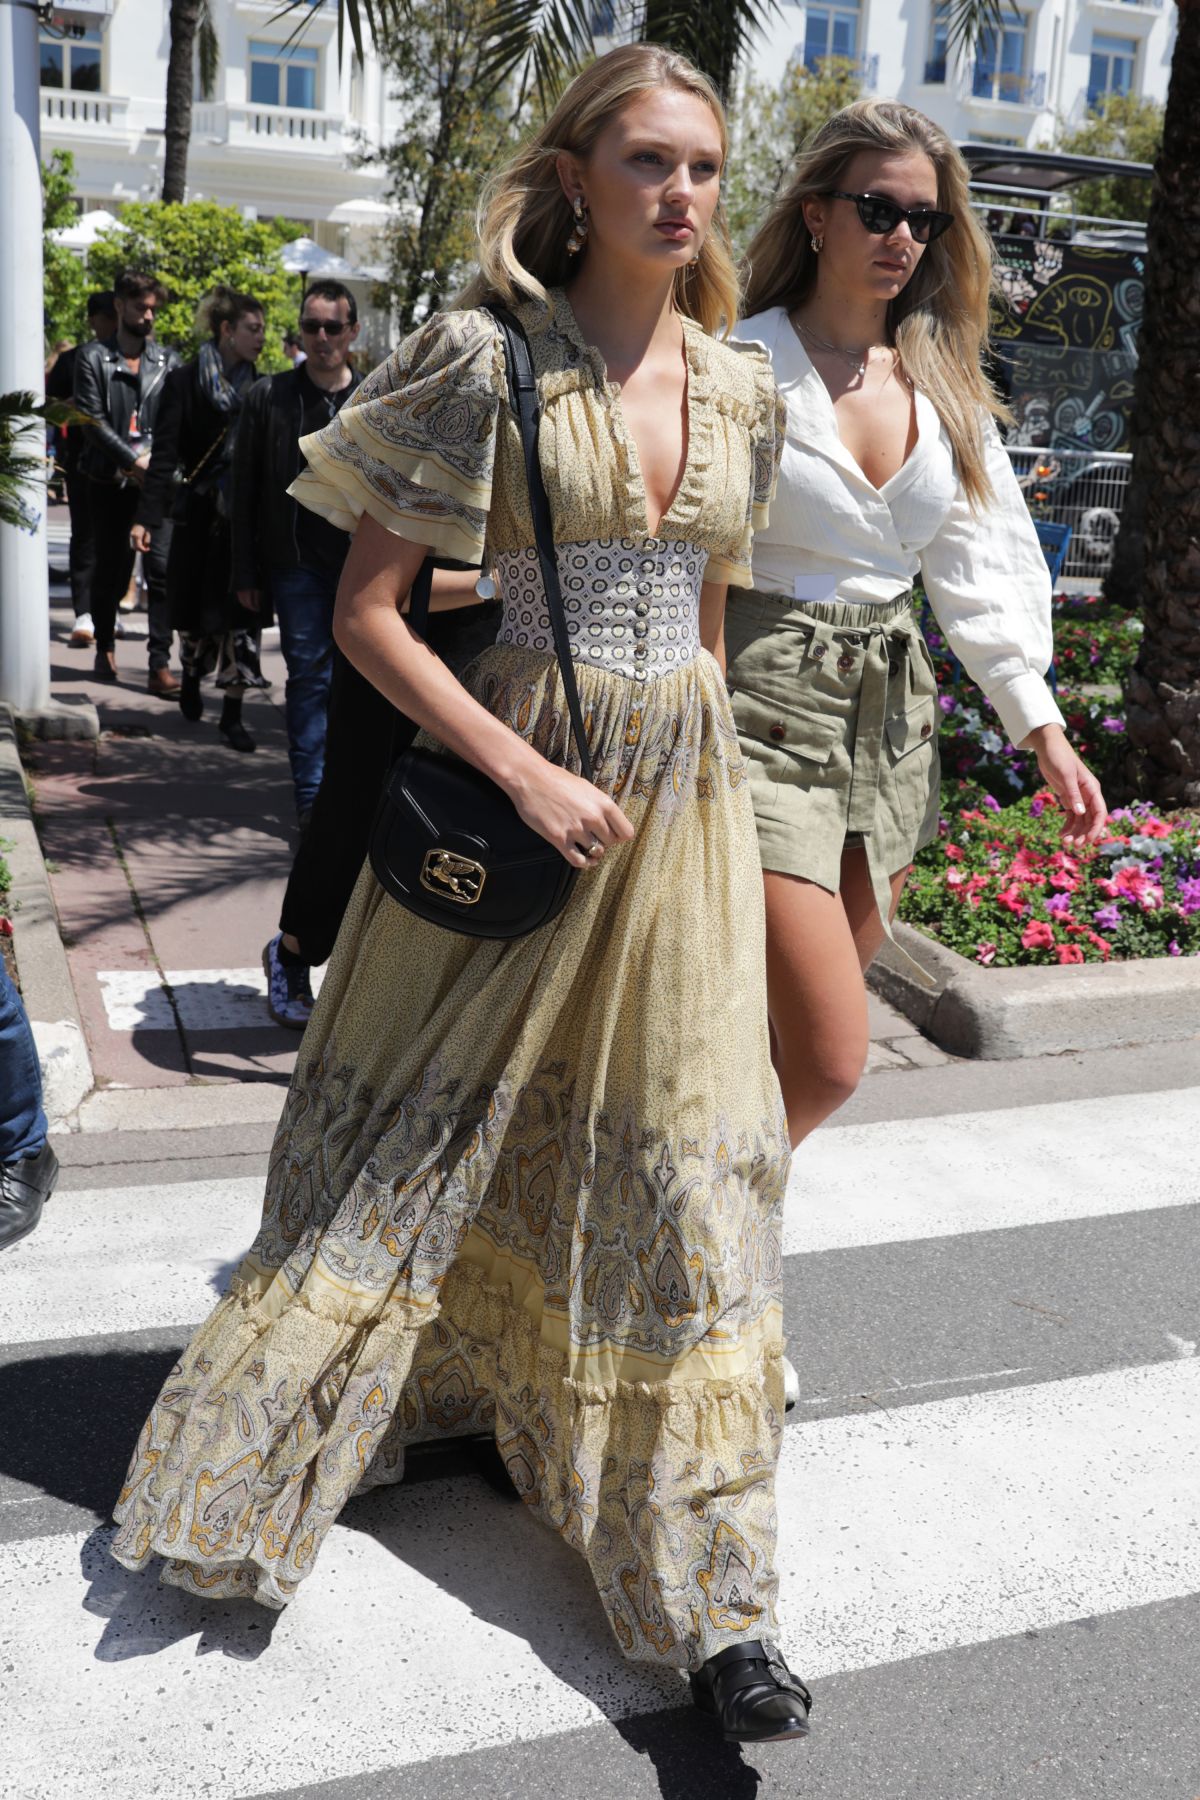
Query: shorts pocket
x=786 y=728
x=911 y=730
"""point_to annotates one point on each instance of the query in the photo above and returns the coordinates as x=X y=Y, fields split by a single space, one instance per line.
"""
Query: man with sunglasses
x=284 y=548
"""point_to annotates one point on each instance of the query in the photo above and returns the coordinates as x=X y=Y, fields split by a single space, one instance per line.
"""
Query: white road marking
x=853 y=1185
x=207 y=999
x=125 y=1259
x=903 y=1534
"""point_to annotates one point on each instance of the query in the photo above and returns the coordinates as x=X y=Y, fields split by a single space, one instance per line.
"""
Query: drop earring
x=818 y=243
x=579 y=229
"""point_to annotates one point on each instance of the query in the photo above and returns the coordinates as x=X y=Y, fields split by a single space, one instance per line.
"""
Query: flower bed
x=997 y=886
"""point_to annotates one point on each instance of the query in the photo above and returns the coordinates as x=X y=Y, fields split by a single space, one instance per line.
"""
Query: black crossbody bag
x=447 y=843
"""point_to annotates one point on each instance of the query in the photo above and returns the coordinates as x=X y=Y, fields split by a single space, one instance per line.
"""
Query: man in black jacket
x=283 y=549
x=118 y=384
x=60 y=385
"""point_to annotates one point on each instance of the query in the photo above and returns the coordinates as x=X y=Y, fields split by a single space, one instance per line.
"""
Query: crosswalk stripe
x=885 y=1183
x=204 y=999
x=165 y=1252
x=125 y=1259
x=902 y=1534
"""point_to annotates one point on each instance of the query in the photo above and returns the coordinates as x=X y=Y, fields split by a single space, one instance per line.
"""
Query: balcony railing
x=270 y=127
x=868 y=72
x=75 y=108
x=988 y=83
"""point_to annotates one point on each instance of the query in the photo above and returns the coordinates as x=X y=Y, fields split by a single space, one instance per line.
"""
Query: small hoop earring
x=579 y=229
x=818 y=244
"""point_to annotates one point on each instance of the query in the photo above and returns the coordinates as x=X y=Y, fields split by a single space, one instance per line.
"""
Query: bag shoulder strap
x=523 y=400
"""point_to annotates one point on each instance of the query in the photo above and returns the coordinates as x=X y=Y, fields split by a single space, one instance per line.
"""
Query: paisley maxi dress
x=530 y=1188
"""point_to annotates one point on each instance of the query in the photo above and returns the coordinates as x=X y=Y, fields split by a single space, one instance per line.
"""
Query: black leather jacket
x=108 y=391
x=266 y=461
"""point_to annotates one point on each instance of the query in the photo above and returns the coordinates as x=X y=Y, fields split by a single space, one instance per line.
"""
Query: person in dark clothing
x=28 y=1166
x=188 y=481
x=60 y=385
x=285 y=550
x=119 y=384
x=365 y=734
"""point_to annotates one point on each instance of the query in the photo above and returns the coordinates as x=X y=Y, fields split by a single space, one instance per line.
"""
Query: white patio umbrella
x=84 y=232
x=303 y=256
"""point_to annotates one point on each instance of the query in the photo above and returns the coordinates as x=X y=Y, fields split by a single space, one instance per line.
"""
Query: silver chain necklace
x=856 y=358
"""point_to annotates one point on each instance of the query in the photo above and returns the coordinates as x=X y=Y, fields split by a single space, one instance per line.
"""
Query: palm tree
x=1161 y=518
x=193 y=41
x=542 y=38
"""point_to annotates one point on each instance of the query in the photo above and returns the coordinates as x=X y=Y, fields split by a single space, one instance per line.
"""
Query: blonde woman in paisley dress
x=535 y=1188
x=868 y=287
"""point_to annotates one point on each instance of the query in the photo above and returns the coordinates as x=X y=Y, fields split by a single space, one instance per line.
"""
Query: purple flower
x=1037 y=806
x=1188 y=893
x=946 y=702
x=1112 y=724
x=1107 y=918
x=992 y=805
x=1173 y=948
x=1058 y=905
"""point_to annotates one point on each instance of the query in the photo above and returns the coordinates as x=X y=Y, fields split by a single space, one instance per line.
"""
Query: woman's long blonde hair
x=939 y=323
x=524 y=217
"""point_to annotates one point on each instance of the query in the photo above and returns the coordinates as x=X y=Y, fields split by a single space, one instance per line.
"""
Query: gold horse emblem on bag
x=455 y=878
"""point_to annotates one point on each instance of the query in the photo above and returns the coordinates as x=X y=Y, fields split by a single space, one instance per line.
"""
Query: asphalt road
x=989 y=1493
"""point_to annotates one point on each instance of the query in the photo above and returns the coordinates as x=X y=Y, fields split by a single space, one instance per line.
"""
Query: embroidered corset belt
x=632 y=604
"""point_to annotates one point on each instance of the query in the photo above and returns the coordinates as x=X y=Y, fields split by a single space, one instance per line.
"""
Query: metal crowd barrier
x=1083 y=489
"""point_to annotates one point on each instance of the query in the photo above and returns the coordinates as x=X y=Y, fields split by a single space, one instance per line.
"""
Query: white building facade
x=1050 y=60
x=278 y=138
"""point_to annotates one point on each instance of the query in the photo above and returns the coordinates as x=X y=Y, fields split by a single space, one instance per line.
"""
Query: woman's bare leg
x=818 y=945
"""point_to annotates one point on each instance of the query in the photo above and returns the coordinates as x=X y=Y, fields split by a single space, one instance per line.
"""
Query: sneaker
x=791 y=1386
x=83 y=635
x=289 y=993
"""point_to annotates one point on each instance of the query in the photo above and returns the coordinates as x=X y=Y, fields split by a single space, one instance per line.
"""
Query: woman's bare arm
x=379 y=571
x=712 y=620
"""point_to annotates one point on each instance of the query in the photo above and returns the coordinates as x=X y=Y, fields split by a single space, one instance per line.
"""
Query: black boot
x=25 y=1187
x=191 y=700
x=752 y=1692
x=230 y=724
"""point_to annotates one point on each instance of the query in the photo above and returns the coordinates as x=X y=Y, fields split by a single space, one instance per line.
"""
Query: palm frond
x=967 y=20
x=715 y=37
x=21 y=469
x=208 y=51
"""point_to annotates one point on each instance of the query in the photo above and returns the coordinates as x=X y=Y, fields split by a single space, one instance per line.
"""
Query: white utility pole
x=24 y=574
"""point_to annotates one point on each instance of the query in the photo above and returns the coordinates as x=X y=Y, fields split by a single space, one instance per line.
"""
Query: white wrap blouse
x=834 y=535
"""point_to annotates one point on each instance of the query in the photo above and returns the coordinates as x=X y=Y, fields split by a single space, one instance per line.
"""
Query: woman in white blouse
x=868 y=286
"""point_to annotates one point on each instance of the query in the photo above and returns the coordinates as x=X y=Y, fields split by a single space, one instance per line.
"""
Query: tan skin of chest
x=876 y=413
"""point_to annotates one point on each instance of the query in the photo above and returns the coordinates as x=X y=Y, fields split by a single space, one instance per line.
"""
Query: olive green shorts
x=837 y=714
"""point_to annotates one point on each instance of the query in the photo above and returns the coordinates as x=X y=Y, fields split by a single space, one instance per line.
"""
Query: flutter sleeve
x=767 y=416
x=416 y=447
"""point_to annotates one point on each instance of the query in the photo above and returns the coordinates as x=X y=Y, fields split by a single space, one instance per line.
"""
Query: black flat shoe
x=754 y=1695
x=25 y=1187
x=237 y=737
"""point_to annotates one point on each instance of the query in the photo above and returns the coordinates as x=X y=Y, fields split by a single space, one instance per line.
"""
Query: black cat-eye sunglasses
x=881 y=216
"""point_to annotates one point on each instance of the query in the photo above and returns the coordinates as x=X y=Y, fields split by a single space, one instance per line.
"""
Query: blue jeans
x=22 y=1121
x=303 y=602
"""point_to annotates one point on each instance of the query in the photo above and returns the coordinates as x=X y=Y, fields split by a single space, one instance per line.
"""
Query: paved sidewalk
x=167 y=855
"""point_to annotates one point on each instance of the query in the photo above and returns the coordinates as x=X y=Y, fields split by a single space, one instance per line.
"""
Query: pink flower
x=1101 y=944
x=1026 y=865
x=1066 y=884
x=1038 y=935
x=1108 y=888
x=985 y=954
x=1156 y=828
x=955 y=852
x=1173 y=948
x=1138 y=885
x=1068 y=953
x=1011 y=901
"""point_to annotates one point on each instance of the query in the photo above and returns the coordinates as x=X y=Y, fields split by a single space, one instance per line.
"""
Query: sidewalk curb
x=999 y=1014
x=46 y=985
